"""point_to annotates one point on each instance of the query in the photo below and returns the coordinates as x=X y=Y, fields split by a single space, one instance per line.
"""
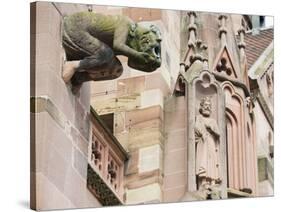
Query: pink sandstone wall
x=137 y=101
x=175 y=160
x=59 y=120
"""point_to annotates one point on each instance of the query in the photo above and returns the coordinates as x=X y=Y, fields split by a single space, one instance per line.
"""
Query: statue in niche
x=207 y=135
x=92 y=41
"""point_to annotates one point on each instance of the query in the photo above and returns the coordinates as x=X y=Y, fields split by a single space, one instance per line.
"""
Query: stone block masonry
x=137 y=101
x=60 y=122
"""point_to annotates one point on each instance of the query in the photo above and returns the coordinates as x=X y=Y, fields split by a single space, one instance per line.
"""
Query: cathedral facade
x=199 y=127
x=194 y=132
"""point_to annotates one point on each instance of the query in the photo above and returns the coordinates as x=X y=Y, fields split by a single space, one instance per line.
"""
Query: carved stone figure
x=269 y=82
x=92 y=41
x=210 y=192
x=207 y=136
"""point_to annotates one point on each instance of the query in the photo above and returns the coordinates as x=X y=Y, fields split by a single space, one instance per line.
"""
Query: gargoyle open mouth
x=157 y=51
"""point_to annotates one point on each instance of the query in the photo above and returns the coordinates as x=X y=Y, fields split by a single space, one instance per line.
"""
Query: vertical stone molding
x=240 y=146
x=196 y=49
x=192 y=28
x=269 y=82
x=200 y=51
x=241 y=44
x=242 y=56
x=222 y=29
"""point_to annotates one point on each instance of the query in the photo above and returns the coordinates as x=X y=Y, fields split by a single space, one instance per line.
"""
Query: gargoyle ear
x=132 y=31
x=155 y=29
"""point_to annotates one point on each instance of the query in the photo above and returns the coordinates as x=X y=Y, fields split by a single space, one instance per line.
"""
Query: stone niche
x=201 y=87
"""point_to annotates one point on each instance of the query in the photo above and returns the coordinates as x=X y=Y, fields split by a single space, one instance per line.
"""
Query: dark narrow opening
x=262 y=21
x=108 y=120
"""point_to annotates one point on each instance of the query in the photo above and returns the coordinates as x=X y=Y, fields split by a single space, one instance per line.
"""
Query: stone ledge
x=233 y=193
x=44 y=104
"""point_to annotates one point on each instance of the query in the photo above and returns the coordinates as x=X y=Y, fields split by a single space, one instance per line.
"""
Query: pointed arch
x=235 y=130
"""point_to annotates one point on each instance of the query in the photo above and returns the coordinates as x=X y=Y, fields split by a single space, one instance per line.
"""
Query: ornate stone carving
x=250 y=104
x=92 y=41
x=99 y=188
x=241 y=44
x=97 y=154
x=223 y=66
x=192 y=28
x=106 y=160
x=112 y=173
x=211 y=192
x=207 y=136
x=200 y=51
x=196 y=48
x=222 y=29
x=269 y=81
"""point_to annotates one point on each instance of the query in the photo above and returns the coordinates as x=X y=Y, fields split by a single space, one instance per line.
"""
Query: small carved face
x=146 y=39
x=205 y=107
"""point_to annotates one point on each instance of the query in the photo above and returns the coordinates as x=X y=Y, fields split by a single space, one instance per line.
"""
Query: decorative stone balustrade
x=106 y=159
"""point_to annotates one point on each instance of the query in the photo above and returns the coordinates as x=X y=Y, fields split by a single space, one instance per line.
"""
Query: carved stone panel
x=99 y=188
x=92 y=55
x=207 y=145
x=206 y=134
x=106 y=160
x=224 y=66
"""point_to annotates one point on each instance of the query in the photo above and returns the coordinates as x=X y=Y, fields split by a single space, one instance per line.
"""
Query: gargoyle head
x=145 y=37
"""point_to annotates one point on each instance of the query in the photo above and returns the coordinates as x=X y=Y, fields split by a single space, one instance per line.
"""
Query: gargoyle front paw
x=69 y=69
x=143 y=58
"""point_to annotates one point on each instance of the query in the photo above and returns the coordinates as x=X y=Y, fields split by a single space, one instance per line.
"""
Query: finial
x=200 y=51
x=241 y=44
x=192 y=28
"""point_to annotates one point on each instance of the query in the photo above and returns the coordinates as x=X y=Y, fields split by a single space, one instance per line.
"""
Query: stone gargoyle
x=92 y=42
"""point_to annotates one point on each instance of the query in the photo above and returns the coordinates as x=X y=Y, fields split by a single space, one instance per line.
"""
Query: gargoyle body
x=92 y=41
